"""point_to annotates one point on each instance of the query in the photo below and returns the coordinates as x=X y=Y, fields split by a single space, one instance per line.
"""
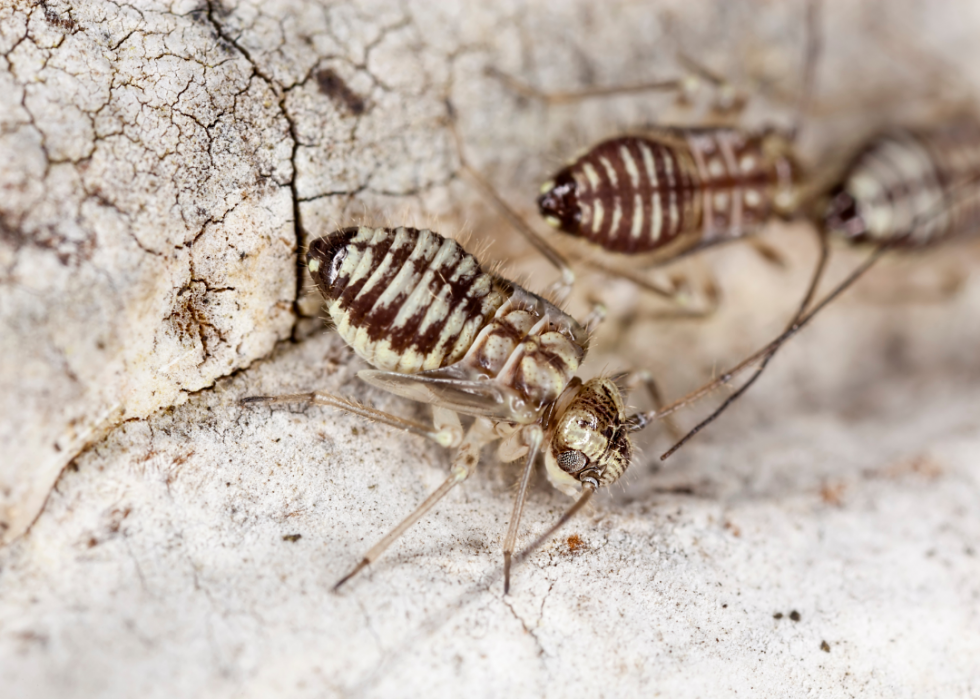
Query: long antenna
x=560 y=288
x=794 y=326
x=769 y=351
x=525 y=90
x=800 y=321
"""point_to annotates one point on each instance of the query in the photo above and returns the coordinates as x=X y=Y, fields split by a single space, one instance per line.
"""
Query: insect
x=439 y=329
x=909 y=188
x=673 y=189
x=666 y=192
x=904 y=189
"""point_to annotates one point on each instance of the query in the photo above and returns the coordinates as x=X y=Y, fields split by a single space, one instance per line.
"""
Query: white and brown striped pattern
x=405 y=300
x=530 y=348
x=911 y=188
x=637 y=194
x=410 y=301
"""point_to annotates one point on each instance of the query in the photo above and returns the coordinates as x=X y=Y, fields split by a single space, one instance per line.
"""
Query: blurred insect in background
x=670 y=192
x=666 y=192
x=903 y=190
x=438 y=329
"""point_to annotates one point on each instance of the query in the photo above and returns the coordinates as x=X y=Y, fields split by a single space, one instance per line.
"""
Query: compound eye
x=572 y=461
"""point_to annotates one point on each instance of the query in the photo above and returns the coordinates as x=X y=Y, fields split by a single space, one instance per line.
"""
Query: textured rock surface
x=159 y=164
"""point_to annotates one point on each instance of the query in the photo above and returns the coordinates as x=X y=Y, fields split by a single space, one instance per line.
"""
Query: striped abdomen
x=912 y=188
x=410 y=301
x=638 y=194
x=405 y=300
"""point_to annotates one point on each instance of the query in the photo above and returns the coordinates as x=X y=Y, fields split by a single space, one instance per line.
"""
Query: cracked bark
x=163 y=164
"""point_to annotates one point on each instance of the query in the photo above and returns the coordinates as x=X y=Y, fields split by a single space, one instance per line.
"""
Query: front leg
x=446 y=432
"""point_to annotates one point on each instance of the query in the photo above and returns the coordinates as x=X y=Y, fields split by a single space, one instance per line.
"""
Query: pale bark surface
x=161 y=165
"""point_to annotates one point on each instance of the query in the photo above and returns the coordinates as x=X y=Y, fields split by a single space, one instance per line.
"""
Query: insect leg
x=767 y=252
x=812 y=46
x=596 y=316
x=533 y=437
x=562 y=287
x=587 y=491
x=728 y=100
x=668 y=292
x=445 y=434
x=464 y=463
x=525 y=90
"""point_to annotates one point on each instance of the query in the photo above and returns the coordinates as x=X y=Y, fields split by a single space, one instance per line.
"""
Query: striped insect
x=438 y=329
x=909 y=188
x=672 y=190
x=664 y=192
x=903 y=190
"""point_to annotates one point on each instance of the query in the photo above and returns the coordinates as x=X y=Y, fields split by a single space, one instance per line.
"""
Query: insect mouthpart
x=558 y=202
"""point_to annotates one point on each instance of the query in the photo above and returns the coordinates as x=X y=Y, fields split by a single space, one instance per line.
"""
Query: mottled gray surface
x=154 y=161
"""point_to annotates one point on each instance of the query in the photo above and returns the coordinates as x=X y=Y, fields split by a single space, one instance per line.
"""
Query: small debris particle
x=733 y=528
x=292 y=537
x=794 y=615
x=93 y=542
x=832 y=493
x=354 y=431
x=724 y=606
x=334 y=87
x=824 y=646
x=575 y=543
x=777 y=615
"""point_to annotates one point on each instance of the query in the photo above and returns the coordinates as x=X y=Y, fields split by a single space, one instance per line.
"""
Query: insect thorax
x=590 y=439
x=411 y=301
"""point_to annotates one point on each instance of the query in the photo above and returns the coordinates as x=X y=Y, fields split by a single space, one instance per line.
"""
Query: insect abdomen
x=410 y=301
x=635 y=194
x=405 y=300
x=530 y=348
x=911 y=188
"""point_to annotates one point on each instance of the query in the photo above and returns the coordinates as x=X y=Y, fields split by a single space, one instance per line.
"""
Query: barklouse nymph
x=903 y=190
x=909 y=188
x=673 y=189
x=439 y=329
x=664 y=192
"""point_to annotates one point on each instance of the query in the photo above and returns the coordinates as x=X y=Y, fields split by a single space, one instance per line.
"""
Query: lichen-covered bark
x=162 y=164
x=147 y=225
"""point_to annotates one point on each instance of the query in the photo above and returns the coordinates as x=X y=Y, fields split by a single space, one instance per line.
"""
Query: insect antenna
x=801 y=319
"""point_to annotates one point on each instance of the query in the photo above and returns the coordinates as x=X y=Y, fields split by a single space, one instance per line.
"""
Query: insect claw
x=357 y=569
x=248 y=400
